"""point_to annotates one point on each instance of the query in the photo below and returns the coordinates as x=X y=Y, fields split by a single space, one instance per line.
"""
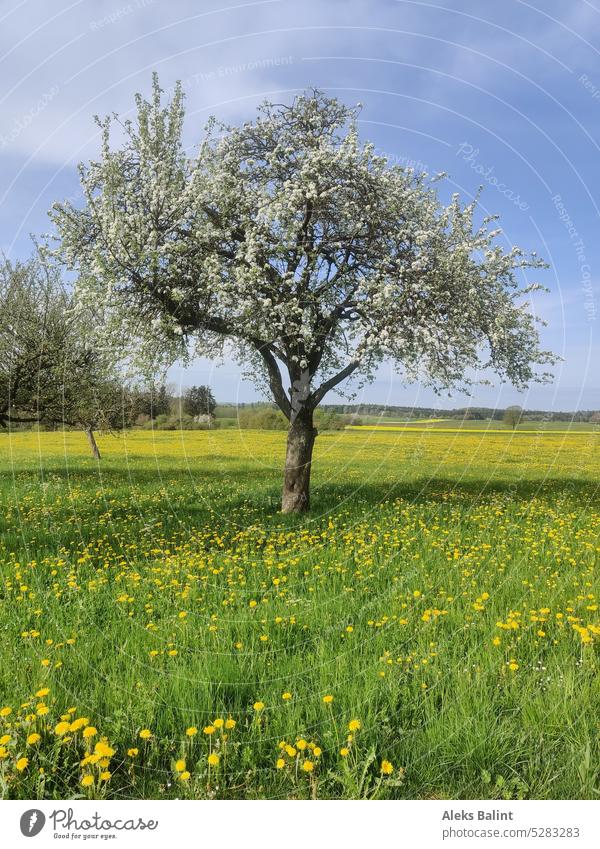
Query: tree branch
x=317 y=396
x=275 y=382
x=4 y=418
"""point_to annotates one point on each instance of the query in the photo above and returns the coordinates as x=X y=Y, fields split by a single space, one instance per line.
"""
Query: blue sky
x=501 y=94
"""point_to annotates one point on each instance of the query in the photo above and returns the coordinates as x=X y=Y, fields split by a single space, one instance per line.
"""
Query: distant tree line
x=477 y=413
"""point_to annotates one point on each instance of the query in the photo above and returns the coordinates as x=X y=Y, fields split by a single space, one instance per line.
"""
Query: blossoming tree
x=296 y=245
x=49 y=372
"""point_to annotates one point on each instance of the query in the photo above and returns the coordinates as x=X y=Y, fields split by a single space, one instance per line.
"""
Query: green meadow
x=428 y=630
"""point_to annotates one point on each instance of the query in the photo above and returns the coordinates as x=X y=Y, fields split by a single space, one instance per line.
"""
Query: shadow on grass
x=247 y=496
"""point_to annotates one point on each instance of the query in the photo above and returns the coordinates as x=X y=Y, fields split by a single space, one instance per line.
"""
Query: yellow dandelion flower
x=103 y=750
x=258 y=706
x=145 y=734
x=191 y=731
x=104 y=776
x=184 y=776
x=344 y=752
x=230 y=723
x=33 y=739
x=386 y=768
x=87 y=780
x=280 y=763
x=43 y=692
x=213 y=759
x=327 y=699
x=90 y=731
x=22 y=764
x=133 y=752
x=286 y=696
x=354 y=725
x=5 y=711
x=218 y=723
x=180 y=765
x=209 y=729
x=308 y=766
x=62 y=728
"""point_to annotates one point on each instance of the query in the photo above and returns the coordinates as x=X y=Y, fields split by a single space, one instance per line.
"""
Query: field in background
x=451 y=425
x=430 y=630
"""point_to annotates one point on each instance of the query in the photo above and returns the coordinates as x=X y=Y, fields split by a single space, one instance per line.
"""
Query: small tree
x=512 y=416
x=94 y=402
x=312 y=256
x=162 y=401
x=49 y=372
x=199 y=401
x=32 y=332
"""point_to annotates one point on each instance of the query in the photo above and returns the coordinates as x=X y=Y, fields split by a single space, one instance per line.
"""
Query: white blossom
x=295 y=242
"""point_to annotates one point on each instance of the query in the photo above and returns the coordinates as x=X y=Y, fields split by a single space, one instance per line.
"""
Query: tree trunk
x=93 y=444
x=296 y=477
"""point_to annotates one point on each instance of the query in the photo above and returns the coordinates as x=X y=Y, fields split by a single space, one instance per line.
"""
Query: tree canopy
x=311 y=256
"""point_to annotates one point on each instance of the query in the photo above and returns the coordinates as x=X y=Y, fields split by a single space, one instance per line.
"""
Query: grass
x=442 y=591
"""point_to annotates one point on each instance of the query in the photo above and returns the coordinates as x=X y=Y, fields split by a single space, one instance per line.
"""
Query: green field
x=429 y=630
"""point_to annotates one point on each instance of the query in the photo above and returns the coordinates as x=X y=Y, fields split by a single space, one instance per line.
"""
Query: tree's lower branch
x=275 y=382
x=317 y=396
x=8 y=419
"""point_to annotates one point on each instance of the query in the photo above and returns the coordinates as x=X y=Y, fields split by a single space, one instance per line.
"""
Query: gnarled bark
x=296 y=476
